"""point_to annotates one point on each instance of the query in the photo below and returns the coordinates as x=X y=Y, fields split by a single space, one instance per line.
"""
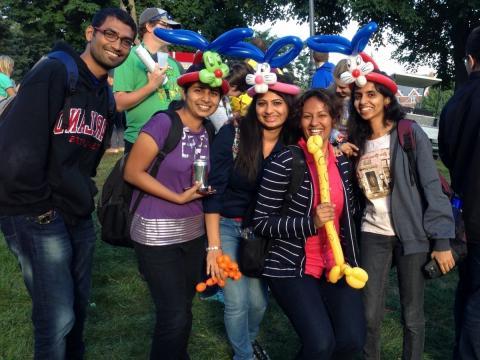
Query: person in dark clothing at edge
x=46 y=190
x=459 y=143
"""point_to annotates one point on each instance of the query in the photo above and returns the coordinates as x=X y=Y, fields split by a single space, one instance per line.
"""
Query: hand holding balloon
x=355 y=277
x=228 y=269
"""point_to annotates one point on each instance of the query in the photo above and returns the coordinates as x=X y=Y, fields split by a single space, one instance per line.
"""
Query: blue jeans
x=377 y=253
x=467 y=307
x=245 y=300
x=56 y=261
x=7 y=226
x=328 y=318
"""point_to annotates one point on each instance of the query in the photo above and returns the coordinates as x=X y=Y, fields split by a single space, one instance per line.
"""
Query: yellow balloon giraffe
x=356 y=277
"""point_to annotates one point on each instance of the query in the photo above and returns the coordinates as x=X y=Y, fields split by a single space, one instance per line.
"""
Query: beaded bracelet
x=213 y=248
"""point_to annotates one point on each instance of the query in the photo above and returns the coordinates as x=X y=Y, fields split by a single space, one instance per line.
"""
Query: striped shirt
x=286 y=257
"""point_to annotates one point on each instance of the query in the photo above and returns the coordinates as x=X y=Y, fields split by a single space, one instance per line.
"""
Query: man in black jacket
x=46 y=190
x=459 y=146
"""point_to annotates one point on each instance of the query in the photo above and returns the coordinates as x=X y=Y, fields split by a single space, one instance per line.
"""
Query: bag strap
x=72 y=79
x=407 y=142
x=298 y=173
x=173 y=137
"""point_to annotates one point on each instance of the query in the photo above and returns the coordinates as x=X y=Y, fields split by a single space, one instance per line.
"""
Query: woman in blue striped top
x=328 y=318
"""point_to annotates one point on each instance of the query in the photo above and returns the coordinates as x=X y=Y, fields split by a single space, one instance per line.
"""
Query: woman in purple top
x=168 y=226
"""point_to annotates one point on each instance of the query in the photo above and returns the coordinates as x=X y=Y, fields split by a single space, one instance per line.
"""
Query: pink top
x=317 y=249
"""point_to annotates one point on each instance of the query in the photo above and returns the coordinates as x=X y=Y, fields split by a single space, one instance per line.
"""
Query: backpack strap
x=407 y=142
x=171 y=141
x=72 y=79
x=173 y=137
x=298 y=174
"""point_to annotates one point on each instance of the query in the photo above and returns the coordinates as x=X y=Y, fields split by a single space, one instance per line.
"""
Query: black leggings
x=171 y=273
x=328 y=318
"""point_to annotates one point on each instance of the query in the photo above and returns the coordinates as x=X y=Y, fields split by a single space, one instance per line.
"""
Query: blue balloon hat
x=340 y=44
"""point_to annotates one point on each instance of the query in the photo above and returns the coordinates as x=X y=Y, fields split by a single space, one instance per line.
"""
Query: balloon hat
x=229 y=43
x=361 y=67
x=340 y=44
x=264 y=79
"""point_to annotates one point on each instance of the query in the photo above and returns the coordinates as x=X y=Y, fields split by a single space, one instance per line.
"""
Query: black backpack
x=113 y=209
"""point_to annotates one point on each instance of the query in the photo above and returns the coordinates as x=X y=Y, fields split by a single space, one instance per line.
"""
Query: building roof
x=416 y=81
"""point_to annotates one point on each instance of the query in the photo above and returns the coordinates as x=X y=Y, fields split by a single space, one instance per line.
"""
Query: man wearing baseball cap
x=156 y=14
x=142 y=93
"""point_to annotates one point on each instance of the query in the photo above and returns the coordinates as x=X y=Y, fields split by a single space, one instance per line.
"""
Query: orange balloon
x=201 y=287
x=211 y=282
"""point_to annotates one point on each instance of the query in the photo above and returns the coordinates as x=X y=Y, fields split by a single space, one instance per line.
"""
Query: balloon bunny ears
x=230 y=43
x=264 y=79
x=361 y=67
x=340 y=44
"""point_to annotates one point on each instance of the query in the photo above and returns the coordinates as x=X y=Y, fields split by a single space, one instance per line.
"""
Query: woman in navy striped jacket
x=327 y=317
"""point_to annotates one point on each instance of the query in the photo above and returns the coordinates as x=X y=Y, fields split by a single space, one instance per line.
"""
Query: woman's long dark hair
x=250 y=150
x=359 y=130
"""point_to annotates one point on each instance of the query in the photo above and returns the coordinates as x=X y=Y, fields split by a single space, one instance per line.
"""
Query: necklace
x=195 y=141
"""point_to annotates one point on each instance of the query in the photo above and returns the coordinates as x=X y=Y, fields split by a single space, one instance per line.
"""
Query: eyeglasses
x=113 y=36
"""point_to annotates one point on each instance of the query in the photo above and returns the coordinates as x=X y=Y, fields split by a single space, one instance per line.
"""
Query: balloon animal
x=356 y=277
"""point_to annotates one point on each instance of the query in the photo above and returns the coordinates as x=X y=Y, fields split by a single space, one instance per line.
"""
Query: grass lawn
x=121 y=313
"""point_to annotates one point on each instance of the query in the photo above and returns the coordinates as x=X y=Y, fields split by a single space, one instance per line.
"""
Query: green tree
x=436 y=100
x=31 y=27
x=426 y=32
x=211 y=18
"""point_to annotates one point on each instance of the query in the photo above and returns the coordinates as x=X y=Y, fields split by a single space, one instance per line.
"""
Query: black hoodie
x=42 y=165
x=459 y=146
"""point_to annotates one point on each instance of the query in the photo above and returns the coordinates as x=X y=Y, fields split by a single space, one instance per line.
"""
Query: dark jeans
x=328 y=318
x=467 y=307
x=171 y=272
x=56 y=261
x=377 y=253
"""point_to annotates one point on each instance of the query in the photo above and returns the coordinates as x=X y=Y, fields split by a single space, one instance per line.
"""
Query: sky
x=382 y=55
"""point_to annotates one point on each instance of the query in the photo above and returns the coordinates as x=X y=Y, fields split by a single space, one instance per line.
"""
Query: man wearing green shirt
x=142 y=93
